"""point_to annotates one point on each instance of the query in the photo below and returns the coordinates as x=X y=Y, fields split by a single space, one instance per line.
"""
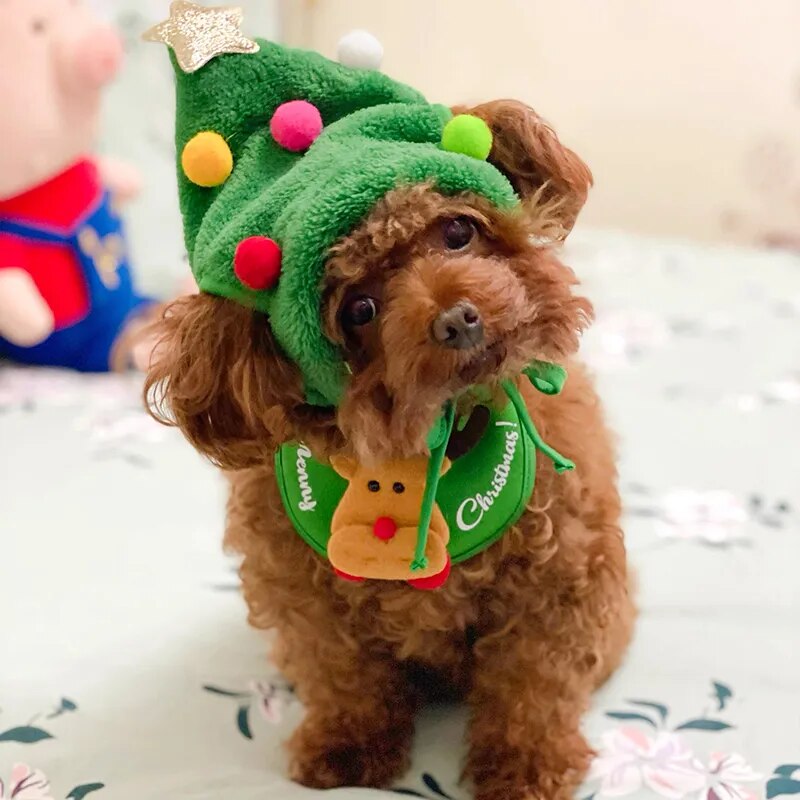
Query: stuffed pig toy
x=66 y=296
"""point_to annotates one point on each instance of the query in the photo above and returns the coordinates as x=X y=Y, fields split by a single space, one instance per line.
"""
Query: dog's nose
x=459 y=327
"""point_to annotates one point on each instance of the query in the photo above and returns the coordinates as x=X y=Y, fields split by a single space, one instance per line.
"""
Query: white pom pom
x=360 y=50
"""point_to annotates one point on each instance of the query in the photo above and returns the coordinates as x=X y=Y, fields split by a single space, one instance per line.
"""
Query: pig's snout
x=97 y=57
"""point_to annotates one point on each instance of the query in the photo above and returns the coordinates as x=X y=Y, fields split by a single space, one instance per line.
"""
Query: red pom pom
x=257 y=263
x=435 y=581
x=295 y=125
x=384 y=528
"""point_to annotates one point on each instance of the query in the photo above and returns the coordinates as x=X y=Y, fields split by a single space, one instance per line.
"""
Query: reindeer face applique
x=374 y=528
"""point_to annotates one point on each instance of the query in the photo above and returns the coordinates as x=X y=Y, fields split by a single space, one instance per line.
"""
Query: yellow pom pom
x=207 y=160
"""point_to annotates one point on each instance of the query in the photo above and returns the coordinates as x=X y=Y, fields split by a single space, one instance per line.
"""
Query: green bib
x=483 y=493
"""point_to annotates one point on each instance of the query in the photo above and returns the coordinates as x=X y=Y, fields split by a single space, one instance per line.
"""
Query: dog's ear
x=526 y=149
x=218 y=375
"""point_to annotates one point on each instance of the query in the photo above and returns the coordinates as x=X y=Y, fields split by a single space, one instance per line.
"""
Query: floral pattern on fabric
x=270 y=698
x=109 y=414
x=25 y=784
x=122 y=602
x=660 y=759
x=29 y=783
x=714 y=517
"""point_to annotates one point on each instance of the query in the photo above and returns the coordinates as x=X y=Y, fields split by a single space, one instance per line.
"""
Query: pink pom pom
x=295 y=125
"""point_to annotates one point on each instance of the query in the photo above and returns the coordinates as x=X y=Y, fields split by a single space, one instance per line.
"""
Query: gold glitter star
x=198 y=34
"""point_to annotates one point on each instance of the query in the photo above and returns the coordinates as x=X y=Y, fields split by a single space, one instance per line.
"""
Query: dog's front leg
x=534 y=674
x=525 y=741
x=359 y=713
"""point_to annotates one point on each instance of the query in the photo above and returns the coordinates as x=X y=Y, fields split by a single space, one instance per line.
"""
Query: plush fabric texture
x=360 y=49
x=296 y=125
x=469 y=135
x=206 y=160
x=378 y=134
x=479 y=498
x=257 y=262
x=371 y=506
x=66 y=235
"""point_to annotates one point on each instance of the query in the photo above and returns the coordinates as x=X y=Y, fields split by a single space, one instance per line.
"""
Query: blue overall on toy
x=97 y=243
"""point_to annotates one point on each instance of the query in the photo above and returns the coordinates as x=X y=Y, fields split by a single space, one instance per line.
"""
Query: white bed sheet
x=117 y=606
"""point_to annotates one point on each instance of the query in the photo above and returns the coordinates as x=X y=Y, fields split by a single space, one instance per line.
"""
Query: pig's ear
x=546 y=174
x=344 y=465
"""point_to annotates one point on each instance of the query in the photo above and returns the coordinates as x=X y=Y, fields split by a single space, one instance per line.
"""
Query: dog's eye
x=360 y=311
x=458 y=233
x=398 y=488
x=374 y=486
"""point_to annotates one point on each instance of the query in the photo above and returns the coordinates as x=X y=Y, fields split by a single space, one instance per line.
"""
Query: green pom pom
x=469 y=135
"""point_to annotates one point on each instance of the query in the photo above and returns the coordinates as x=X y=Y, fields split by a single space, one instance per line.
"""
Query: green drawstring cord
x=561 y=464
x=431 y=485
x=547 y=378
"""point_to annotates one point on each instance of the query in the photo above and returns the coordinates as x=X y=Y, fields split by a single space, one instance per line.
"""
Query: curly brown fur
x=539 y=167
x=522 y=291
x=525 y=630
x=218 y=375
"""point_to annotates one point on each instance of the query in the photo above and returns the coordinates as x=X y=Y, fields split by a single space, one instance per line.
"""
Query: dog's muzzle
x=459 y=327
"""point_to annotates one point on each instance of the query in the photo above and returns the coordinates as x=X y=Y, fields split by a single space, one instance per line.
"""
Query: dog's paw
x=322 y=757
x=547 y=773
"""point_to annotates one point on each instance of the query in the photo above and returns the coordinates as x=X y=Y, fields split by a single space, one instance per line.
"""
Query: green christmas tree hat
x=283 y=152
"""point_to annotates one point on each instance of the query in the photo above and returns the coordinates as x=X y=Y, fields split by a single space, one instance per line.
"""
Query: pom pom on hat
x=207 y=160
x=295 y=125
x=378 y=134
x=360 y=50
x=257 y=263
x=469 y=135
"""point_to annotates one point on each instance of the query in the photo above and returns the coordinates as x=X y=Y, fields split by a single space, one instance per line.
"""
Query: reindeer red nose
x=384 y=528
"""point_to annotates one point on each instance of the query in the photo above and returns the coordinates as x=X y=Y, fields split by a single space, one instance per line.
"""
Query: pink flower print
x=618 y=338
x=25 y=784
x=269 y=701
x=630 y=758
x=724 y=774
x=714 y=517
x=617 y=765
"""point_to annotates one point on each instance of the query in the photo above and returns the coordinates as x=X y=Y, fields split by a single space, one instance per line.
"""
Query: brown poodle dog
x=527 y=629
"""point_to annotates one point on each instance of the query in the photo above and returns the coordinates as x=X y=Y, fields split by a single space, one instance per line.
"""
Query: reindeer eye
x=374 y=486
x=360 y=311
x=458 y=233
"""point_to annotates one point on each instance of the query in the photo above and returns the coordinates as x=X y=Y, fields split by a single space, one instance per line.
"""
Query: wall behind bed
x=688 y=112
